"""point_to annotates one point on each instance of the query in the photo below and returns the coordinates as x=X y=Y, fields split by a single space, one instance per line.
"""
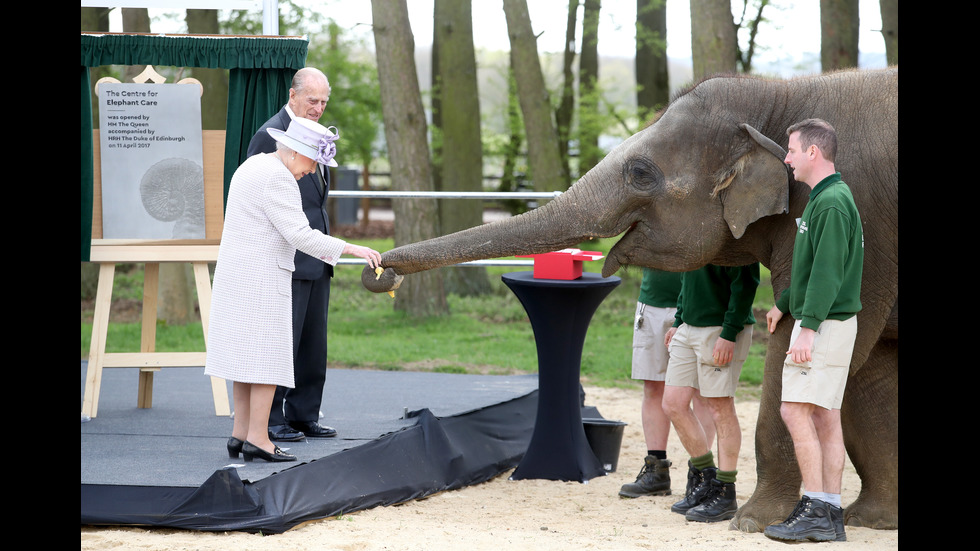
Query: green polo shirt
x=828 y=257
x=718 y=295
x=659 y=288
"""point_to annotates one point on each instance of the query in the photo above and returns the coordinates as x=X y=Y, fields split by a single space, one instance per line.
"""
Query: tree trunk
x=93 y=20
x=838 y=34
x=435 y=101
x=96 y=20
x=408 y=150
x=653 y=83
x=461 y=167
x=563 y=115
x=134 y=20
x=176 y=293
x=889 y=29
x=751 y=26
x=544 y=160
x=714 y=43
x=589 y=120
x=175 y=300
x=175 y=296
x=366 y=201
x=214 y=103
x=510 y=179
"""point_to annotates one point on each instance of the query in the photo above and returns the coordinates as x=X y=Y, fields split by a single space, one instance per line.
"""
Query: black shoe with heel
x=234 y=447
x=251 y=451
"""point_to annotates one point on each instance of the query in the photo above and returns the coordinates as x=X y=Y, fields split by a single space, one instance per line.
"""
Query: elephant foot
x=868 y=512
x=756 y=514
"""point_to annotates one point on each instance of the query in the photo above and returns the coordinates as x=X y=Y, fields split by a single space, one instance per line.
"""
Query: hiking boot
x=698 y=482
x=718 y=503
x=837 y=517
x=693 y=477
x=810 y=520
x=653 y=480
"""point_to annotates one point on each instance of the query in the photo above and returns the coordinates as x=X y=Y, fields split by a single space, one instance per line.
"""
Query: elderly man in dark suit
x=296 y=412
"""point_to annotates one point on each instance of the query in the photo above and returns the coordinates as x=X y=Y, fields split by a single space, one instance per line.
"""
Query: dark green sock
x=704 y=461
x=727 y=476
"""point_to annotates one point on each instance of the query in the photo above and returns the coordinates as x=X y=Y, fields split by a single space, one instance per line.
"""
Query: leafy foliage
x=355 y=101
x=294 y=20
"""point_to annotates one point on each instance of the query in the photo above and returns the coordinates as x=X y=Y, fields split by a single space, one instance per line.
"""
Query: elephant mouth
x=619 y=253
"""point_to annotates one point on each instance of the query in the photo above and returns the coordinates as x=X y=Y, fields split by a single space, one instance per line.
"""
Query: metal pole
x=337 y=193
x=270 y=17
x=472 y=263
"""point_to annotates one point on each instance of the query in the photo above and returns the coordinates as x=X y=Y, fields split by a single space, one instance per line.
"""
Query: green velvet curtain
x=260 y=70
x=87 y=165
x=256 y=95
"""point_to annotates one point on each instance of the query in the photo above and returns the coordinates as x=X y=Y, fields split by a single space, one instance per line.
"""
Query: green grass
x=125 y=337
x=487 y=334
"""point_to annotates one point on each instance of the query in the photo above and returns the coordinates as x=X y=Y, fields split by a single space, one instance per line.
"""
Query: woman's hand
x=372 y=256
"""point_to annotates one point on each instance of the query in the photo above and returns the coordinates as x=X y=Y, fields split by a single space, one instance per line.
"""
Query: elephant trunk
x=542 y=230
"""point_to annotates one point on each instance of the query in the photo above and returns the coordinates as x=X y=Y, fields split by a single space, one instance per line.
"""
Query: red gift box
x=563 y=264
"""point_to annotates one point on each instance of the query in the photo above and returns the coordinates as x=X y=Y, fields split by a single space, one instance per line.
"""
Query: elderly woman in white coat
x=250 y=330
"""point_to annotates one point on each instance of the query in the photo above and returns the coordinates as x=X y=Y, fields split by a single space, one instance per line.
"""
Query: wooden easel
x=146 y=359
x=108 y=252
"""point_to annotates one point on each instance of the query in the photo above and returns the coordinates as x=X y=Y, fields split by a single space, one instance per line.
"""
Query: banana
x=379 y=270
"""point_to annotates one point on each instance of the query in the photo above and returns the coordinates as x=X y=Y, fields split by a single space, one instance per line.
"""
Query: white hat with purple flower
x=310 y=139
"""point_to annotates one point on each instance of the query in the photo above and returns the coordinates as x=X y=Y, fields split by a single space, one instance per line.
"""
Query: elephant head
x=679 y=191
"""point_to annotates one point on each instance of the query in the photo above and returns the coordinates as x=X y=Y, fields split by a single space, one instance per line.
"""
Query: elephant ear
x=758 y=186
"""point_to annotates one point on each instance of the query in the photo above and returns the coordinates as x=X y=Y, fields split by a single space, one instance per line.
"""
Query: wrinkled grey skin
x=706 y=183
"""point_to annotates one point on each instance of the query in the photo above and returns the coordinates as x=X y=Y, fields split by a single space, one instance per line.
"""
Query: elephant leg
x=778 y=488
x=869 y=417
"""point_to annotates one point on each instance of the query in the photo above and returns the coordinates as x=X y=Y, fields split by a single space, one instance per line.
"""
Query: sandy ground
x=504 y=514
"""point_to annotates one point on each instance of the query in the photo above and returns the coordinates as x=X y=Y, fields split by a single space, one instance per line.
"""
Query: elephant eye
x=642 y=174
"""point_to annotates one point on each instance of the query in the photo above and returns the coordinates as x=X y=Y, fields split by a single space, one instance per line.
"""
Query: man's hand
x=723 y=352
x=669 y=335
x=772 y=318
x=802 y=348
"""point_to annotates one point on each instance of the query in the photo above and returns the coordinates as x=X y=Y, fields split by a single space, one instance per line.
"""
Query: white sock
x=816 y=495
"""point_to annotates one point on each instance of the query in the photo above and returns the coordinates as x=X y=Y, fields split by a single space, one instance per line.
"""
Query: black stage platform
x=402 y=435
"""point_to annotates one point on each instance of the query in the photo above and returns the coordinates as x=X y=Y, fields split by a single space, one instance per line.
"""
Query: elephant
x=706 y=182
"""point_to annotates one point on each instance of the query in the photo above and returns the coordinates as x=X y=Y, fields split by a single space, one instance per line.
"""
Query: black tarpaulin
x=434 y=454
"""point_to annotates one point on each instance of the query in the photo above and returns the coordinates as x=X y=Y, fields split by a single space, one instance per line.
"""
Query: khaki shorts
x=691 y=363
x=650 y=356
x=821 y=381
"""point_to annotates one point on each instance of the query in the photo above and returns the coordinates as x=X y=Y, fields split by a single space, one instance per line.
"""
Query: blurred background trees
x=459 y=118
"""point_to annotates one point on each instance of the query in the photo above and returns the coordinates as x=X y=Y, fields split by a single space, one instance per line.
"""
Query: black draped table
x=560 y=312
